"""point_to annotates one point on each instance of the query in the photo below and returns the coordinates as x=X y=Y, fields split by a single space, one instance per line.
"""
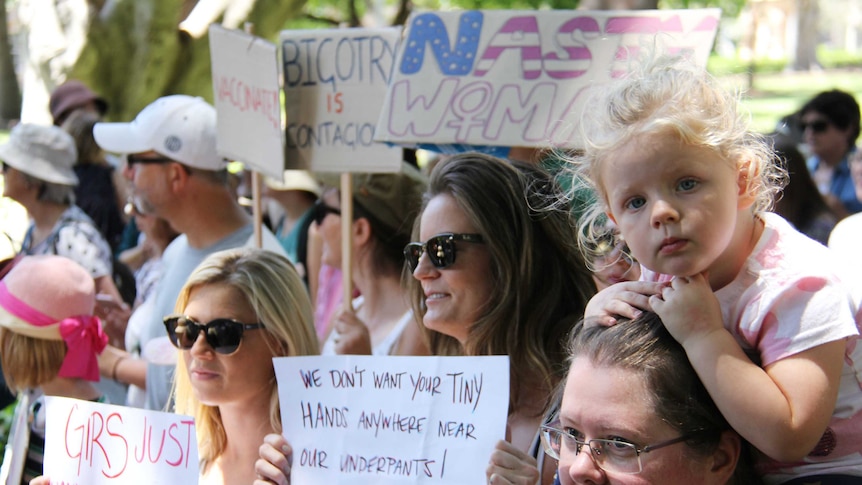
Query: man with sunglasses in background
x=176 y=174
x=830 y=125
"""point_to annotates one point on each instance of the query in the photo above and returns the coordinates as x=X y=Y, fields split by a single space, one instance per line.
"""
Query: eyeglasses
x=321 y=210
x=440 y=249
x=133 y=159
x=818 y=126
x=222 y=334
x=610 y=455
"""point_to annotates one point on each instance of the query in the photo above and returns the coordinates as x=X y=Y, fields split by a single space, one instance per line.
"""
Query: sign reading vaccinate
x=96 y=444
x=334 y=85
x=245 y=85
x=519 y=78
x=392 y=420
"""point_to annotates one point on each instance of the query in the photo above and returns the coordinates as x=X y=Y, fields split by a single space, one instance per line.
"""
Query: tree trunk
x=135 y=51
x=10 y=94
x=805 y=57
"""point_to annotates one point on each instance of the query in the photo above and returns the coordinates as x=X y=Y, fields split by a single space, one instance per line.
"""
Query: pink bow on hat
x=84 y=339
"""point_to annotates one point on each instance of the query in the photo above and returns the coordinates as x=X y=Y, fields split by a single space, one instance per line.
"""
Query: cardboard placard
x=93 y=443
x=246 y=88
x=392 y=420
x=334 y=84
x=518 y=78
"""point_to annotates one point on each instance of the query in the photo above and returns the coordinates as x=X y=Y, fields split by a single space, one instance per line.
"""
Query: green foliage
x=832 y=58
x=829 y=59
x=724 y=66
x=496 y=4
x=138 y=54
x=729 y=8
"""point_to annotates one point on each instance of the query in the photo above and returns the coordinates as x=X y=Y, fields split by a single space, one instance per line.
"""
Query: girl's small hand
x=273 y=466
x=40 y=480
x=626 y=299
x=351 y=335
x=510 y=465
x=688 y=307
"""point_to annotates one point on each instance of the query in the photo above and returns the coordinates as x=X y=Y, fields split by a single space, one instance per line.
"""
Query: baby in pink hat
x=49 y=340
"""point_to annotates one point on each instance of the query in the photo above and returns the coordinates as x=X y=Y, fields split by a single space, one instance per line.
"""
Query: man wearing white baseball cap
x=176 y=174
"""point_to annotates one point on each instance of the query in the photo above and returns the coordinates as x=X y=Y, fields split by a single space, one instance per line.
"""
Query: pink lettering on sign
x=247 y=98
x=102 y=441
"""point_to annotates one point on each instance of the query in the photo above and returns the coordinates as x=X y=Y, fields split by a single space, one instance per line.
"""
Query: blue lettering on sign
x=427 y=28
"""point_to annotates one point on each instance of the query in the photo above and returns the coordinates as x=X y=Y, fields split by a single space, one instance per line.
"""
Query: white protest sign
x=94 y=443
x=334 y=85
x=392 y=420
x=245 y=85
x=519 y=78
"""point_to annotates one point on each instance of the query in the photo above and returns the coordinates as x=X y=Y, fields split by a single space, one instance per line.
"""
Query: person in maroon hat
x=72 y=96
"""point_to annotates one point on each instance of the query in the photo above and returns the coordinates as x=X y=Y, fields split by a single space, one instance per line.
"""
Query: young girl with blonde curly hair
x=756 y=305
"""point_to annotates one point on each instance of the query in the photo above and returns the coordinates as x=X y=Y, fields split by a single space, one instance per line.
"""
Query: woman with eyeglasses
x=238 y=310
x=496 y=271
x=379 y=321
x=830 y=126
x=635 y=412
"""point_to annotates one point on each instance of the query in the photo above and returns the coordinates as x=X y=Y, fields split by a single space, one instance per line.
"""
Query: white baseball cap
x=180 y=127
x=45 y=152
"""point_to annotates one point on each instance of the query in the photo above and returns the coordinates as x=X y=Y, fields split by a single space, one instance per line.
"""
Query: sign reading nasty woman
x=520 y=78
x=92 y=443
x=334 y=84
x=392 y=420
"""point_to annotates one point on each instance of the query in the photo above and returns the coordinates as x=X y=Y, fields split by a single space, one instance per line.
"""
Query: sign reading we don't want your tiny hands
x=94 y=444
x=392 y=420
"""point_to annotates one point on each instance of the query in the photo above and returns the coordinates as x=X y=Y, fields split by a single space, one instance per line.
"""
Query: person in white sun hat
x=37 y=162
x=176 y=174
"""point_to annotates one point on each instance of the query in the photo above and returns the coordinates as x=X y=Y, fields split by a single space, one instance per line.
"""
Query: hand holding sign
x=273 y=466
x=512 y=465
x=352 y=335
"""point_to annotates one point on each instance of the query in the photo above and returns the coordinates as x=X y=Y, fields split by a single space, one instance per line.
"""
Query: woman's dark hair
x=840 y=108
x=542 y=283
x=800 y=202
x=678 y=397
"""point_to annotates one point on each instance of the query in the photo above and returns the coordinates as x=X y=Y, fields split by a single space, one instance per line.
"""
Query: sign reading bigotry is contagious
x=334 y=84
x=369 y=420
x=520 y=78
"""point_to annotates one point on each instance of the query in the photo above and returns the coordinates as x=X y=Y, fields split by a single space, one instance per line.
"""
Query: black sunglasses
x=321 y=210
x=133 y=159
x=222 y=334
x=440 y=249
x=818 y=126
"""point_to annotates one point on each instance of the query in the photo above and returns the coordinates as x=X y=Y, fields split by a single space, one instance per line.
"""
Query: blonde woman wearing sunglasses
x=252 y=306
x=238 y=310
